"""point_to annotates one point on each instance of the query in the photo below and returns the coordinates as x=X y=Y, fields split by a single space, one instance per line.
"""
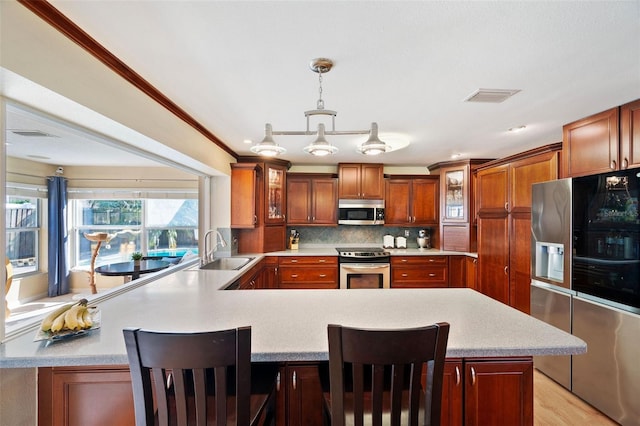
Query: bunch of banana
x=72 y=316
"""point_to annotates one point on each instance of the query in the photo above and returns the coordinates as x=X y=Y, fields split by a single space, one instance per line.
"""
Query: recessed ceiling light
x=456 y=155
x=248 y=141
x=517 y=129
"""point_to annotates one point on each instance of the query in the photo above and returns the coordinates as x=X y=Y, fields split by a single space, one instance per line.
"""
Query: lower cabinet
x=308 y=272
x=478 y=391
x=419 y=271
x=78 y=396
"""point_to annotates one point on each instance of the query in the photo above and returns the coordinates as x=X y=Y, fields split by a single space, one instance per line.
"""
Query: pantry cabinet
x=504 y=223
x=312 y=199
x=603 y=142
x=360 y=181
x=412 y=201
x=258 y=204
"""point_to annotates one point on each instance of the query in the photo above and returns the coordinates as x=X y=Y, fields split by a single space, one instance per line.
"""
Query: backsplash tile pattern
x=350 y=235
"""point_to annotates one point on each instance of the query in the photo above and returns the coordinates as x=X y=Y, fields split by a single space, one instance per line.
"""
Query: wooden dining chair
x=202 y=378
x=375 y=376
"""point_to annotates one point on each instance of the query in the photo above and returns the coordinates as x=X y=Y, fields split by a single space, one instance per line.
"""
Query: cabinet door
x=452 y=391
x=590 y=145
x=499 y=393
x=276 y=197
x=493 y=257
x=304 y=394
x=396 y=210
x=75 y=396
x=324 y=201
x=457 y=271
x=298 y=201
x=425 y=201
x=244 y=197
x=493 y=190
x=455 y=200
x=349 y=181
x=630 y=135
x=372 y=181
x=471 y=270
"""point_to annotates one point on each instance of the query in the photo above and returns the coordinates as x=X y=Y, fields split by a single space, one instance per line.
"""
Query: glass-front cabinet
x=276 y=201
x=455 y=206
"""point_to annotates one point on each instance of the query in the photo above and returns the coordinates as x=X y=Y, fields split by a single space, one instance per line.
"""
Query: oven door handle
x=365 y=267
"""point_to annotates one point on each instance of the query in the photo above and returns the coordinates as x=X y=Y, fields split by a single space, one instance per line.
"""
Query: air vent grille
x=491 y=95
x=33 y=134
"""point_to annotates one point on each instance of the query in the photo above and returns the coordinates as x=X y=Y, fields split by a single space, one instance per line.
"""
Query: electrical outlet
x=406 y=233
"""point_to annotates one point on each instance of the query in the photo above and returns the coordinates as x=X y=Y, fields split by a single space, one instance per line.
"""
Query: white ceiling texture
x=407 y=65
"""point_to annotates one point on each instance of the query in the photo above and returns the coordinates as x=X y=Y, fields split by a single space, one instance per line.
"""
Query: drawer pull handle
x=473 y=376
x=432 y=260
x=405 y=275
x=405 y=260
x=294 y=275
x=295 y=381
x=323 y=275
x=322 y=260
x=506 y=270
x=294 y=260
x=432 y=274
x=457 y=376
x=625 y=163
x=278 y=381
x=612 y=166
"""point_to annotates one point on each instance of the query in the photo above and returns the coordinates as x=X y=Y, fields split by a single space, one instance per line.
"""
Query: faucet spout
x=208 y=254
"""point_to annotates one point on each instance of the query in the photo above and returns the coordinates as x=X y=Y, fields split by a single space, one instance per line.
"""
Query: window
x=23 y=229
x=155 y=227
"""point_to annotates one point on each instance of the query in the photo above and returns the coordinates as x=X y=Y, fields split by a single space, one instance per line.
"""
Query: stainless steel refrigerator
x=551 y=293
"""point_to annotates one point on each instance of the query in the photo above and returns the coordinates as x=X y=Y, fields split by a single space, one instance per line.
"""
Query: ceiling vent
x=33 y=133
x=491 y=95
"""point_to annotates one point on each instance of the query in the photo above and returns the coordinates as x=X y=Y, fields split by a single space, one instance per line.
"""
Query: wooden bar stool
x=375 y=376
x=199 y=378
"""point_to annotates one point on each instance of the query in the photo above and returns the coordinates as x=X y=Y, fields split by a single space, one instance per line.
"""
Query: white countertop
x=290 y=325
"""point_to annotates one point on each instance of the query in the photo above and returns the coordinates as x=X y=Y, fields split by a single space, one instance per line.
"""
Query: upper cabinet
x=360 y=181
x=312 y=199
x=275 y=194
x=245 y=194
x=412 y=200
x=604 y=142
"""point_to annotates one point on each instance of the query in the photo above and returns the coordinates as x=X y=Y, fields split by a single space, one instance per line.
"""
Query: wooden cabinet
x=304 y=395
x=452 y=393
x=94 y=395
x=258 y=203
x=604 y=142
x=504 y=223
x=471 y=272
x=270 y=272
x=360 y=181
x=457 y=210
x=419 y=271
x=412 y=200
x=630 y=135
x=308 y=272
x=253 y=278
x=498 y=392
x=457 y=271
x=312 y=199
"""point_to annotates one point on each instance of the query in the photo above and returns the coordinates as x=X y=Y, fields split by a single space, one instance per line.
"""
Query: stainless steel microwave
x=361 y=212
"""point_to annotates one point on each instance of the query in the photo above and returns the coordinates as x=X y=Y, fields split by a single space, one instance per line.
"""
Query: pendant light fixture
x=320 y=146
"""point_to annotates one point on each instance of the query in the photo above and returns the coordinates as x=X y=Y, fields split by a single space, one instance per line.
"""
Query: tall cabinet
x=504 y=222
x=258 y=204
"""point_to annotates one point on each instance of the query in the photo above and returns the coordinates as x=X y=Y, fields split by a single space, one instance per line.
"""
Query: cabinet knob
x=612 y=166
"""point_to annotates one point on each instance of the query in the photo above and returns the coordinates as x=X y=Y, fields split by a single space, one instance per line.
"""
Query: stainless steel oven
x=364 y=267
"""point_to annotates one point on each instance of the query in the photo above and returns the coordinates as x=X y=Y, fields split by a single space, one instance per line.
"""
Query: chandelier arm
x=315 y=132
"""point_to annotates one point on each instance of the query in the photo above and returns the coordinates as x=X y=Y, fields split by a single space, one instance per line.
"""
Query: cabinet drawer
x=419 y=260
x=309 y=260
x=313 y=274
x=419 y=276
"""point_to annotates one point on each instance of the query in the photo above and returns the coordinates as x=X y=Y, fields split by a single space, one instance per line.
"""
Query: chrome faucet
x=208 y=255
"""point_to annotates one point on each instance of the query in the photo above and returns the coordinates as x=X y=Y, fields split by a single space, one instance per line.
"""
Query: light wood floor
x=555 y=406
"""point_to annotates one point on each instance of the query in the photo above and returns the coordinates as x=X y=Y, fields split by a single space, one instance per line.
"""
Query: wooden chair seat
x=376 y=376
x=199 y=379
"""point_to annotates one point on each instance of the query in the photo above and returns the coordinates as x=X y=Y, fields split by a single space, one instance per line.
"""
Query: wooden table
x=130 y=269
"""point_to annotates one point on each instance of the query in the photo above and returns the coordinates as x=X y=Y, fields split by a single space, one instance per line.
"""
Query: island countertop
x=291 y=325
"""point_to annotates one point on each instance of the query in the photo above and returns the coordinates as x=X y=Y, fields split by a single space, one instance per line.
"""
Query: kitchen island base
x=476 y=391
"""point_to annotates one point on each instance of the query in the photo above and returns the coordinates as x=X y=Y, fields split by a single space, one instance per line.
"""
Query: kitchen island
x=289 y=327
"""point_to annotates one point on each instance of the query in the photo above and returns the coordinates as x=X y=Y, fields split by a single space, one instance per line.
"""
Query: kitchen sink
x=227 y=263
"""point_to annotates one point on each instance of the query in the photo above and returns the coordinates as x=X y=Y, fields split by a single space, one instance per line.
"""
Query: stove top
x=362 y=252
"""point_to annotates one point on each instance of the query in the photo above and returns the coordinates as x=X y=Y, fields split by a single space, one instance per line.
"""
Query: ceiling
x=407 y=65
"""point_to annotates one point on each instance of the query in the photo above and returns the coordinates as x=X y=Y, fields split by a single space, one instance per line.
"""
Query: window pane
x=119 y=249
x=172 y=242
x=111 y=212
x=21 y=213
x=172 y=213
x=21 y=249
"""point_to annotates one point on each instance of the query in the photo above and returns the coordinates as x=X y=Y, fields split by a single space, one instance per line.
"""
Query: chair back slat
x=393 y=386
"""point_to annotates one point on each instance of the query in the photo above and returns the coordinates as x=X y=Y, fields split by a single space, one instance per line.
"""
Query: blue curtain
x=58 y=236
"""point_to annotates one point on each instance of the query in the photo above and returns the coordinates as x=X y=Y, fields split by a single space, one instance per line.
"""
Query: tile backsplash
x=355 y=235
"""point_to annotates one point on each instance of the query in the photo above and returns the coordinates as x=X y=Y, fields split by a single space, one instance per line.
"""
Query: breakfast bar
x=488 y=340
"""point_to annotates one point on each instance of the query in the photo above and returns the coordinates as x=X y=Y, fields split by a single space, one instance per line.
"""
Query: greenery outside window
x=155 y=227
x=22 y=233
